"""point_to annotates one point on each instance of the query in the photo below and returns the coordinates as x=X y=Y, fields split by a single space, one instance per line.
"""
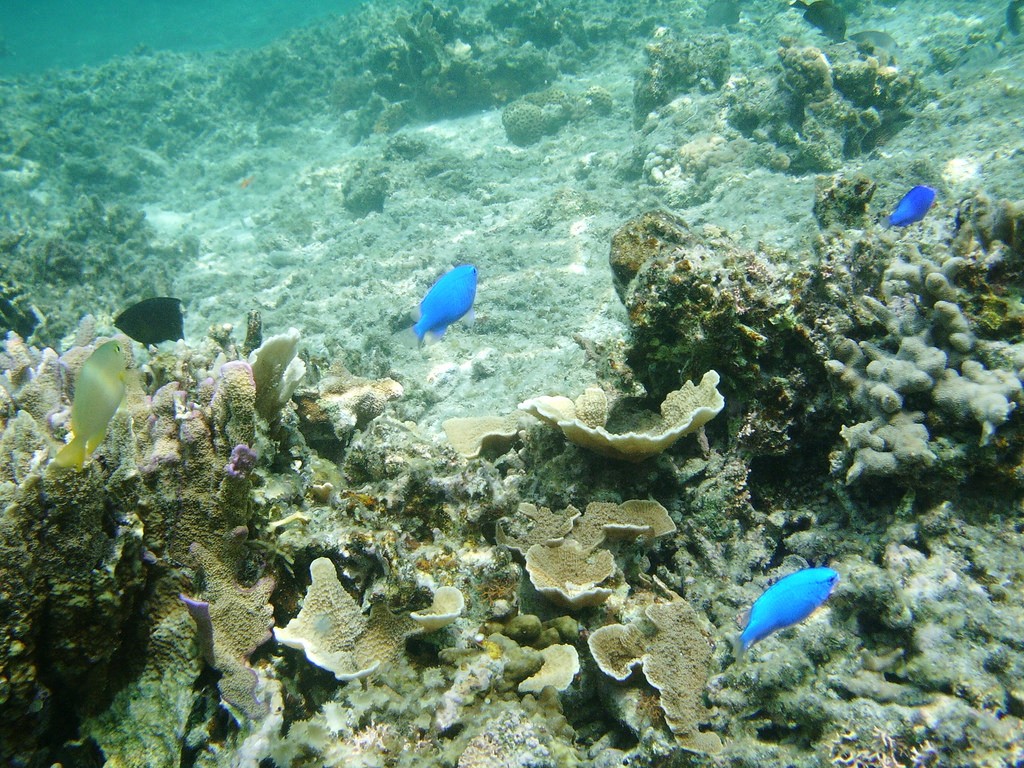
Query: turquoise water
x=51 y=34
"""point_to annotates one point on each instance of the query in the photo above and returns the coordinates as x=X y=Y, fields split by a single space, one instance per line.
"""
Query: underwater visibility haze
x=727 y=471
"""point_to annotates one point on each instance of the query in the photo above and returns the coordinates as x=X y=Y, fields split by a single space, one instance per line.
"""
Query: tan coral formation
x=233 y=621
x=584 y=422
x=535 y=525
x=448 y=605
x=473 y=435
x=563 y=554
x=568 y=575
x=342 y=403
x=333 y=632
x=675 y=658
x=561 y=665
x=630 y=520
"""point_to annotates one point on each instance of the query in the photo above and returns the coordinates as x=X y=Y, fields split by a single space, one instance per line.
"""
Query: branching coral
x=930 y=367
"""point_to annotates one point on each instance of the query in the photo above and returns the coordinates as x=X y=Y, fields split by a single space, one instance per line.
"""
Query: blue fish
x=448 y=300
x=788 y=601
x=912 y=207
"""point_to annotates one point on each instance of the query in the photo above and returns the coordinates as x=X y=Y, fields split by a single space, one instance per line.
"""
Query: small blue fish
x=448 y=300
x=788 y=601
x=912 y=207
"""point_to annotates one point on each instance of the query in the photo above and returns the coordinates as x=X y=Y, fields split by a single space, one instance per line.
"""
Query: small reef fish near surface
x=879 y=43
x=450 y=298
x=152 y=320
x=788 y=601
x=826 y=16
x=722 y=13
x=98 y=394
x=913 y=207
x=1013 y=16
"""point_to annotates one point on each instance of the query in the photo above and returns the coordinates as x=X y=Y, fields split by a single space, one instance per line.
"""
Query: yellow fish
x=98 y=393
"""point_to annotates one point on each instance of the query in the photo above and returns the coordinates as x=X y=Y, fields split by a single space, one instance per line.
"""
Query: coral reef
x=857 y=405
x=637 y=435
x=822 y=108
x=675 y=66
x=675 y=658
x=921 y=373
x=528 y=119
x=332 y=632
x=697 y=301
x=338 y=405
x=157 y=492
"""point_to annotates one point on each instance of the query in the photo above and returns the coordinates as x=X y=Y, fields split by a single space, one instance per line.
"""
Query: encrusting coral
x=334 y=634
x=340 y=404
x=638 y=436
x=564 y=558
x=473 y=435
x=232 y=622
x=673 y=650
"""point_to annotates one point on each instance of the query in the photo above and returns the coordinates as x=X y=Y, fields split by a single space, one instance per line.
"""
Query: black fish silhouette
x=826 y=16
x=722 y=13
x=153 y=320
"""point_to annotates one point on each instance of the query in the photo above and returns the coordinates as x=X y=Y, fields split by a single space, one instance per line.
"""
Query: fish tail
x=737 y=647
x=72 y=454
x=408 y=338
x=432 y=337
x=94 y=442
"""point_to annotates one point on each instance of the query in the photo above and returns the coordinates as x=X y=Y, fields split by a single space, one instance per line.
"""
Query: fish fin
x=71 y=455
x=407 y=338
x=737 y=647
x=432 y=337
x=743 y=618
x=470 y=317
x=95 y=442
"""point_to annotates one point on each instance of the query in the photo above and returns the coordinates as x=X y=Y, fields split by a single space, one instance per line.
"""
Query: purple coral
x=200 y=610
x=242 y=462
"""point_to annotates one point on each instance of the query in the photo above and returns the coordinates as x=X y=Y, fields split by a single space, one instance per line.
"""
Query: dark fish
x=826 y=16
x=722 y=13
x=1013 y=16
x=878 y=44
x=153 y=320
x=875 y=39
